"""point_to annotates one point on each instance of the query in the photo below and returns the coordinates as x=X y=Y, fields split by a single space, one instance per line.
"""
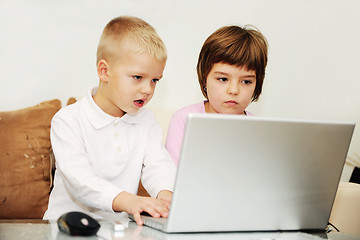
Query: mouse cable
x=332 y=225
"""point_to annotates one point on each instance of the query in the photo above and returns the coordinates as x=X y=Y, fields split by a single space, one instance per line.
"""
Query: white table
x=38 y=229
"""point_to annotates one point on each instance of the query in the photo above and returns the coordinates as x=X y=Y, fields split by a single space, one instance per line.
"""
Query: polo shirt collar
x=99 y=119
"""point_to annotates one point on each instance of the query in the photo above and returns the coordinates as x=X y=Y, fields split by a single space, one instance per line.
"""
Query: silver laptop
x=241 y=173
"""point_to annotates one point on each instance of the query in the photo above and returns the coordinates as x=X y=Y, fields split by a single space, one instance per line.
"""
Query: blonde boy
x=106 y=142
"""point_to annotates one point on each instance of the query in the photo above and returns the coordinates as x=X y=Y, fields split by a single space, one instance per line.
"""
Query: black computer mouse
x=78 y=224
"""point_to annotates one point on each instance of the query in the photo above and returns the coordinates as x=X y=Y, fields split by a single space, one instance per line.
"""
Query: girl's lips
x=139 y=103
x=231 y=103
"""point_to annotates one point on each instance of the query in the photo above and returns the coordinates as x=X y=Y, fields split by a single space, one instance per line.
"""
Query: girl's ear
x=103 y=71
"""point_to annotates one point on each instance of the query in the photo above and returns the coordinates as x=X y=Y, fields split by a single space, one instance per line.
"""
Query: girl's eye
x=247 y=82
x=222 y=79
x=155 y=80
x=137 y=77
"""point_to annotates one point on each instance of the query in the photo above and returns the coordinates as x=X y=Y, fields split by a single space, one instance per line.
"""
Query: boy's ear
x=103 y=71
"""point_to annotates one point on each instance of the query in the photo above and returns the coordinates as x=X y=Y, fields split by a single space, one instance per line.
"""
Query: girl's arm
x=175 y=136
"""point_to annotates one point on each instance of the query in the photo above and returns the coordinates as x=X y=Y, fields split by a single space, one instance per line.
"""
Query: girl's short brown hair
x=234 y=45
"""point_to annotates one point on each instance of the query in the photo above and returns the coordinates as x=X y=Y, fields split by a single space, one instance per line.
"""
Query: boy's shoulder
x=69 y=108
x=69 y=112
x=81 y=110
x=146 y=115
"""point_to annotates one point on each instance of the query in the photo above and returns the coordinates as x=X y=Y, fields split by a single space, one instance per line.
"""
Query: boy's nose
x=146 y=88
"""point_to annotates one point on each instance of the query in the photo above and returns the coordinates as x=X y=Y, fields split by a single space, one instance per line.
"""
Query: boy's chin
x=133 y=111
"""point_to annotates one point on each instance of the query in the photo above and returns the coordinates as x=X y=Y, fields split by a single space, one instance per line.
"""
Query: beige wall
x=47 y=50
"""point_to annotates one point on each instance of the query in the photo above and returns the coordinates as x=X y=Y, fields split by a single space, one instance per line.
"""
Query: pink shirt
x=177 y=126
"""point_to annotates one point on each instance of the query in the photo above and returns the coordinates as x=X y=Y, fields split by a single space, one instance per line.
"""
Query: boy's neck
x=102 y=102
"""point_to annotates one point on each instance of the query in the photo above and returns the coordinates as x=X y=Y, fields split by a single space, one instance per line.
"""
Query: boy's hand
x=133 y=204
x=165 y=196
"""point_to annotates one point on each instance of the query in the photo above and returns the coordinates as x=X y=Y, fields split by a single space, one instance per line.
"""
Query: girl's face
x=229 y=89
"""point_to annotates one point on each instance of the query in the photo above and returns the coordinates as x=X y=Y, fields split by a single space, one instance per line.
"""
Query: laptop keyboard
x=160 y=223
x=159 y=220
x=157 y=223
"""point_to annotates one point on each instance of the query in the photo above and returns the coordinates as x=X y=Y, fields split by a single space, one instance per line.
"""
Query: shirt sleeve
x=78 y=175
x=175 y=135
x=159 y=170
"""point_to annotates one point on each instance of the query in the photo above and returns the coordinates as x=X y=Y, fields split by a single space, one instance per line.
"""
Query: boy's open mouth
x=139 y=102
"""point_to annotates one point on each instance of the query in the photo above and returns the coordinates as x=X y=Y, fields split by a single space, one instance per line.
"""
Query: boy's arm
x=165 y=196
x=76 y=171
x=135 y=205
x=158 y=169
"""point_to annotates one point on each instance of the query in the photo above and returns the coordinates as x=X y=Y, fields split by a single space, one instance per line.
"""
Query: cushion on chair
x=25 y=160
x=345 y=214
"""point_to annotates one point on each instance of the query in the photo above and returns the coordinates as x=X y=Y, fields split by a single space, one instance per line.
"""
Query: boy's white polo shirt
x=98 y=156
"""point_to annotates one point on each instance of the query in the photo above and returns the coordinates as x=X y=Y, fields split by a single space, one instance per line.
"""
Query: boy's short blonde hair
x=134 y=30
x=234 y=45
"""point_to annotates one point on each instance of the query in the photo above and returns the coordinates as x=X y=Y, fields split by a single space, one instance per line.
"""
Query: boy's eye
x=223 y=79
x=155 y=80
x=137 y=77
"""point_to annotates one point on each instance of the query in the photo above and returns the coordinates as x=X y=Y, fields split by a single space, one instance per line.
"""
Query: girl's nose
x=233 y=89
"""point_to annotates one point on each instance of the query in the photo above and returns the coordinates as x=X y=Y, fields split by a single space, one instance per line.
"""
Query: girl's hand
x=135 y=205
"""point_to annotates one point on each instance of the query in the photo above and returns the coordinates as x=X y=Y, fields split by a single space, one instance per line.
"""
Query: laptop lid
x=241 y=173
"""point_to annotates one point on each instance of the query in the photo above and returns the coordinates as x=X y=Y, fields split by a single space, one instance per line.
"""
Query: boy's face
x=229 y=89
x=130 y=82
